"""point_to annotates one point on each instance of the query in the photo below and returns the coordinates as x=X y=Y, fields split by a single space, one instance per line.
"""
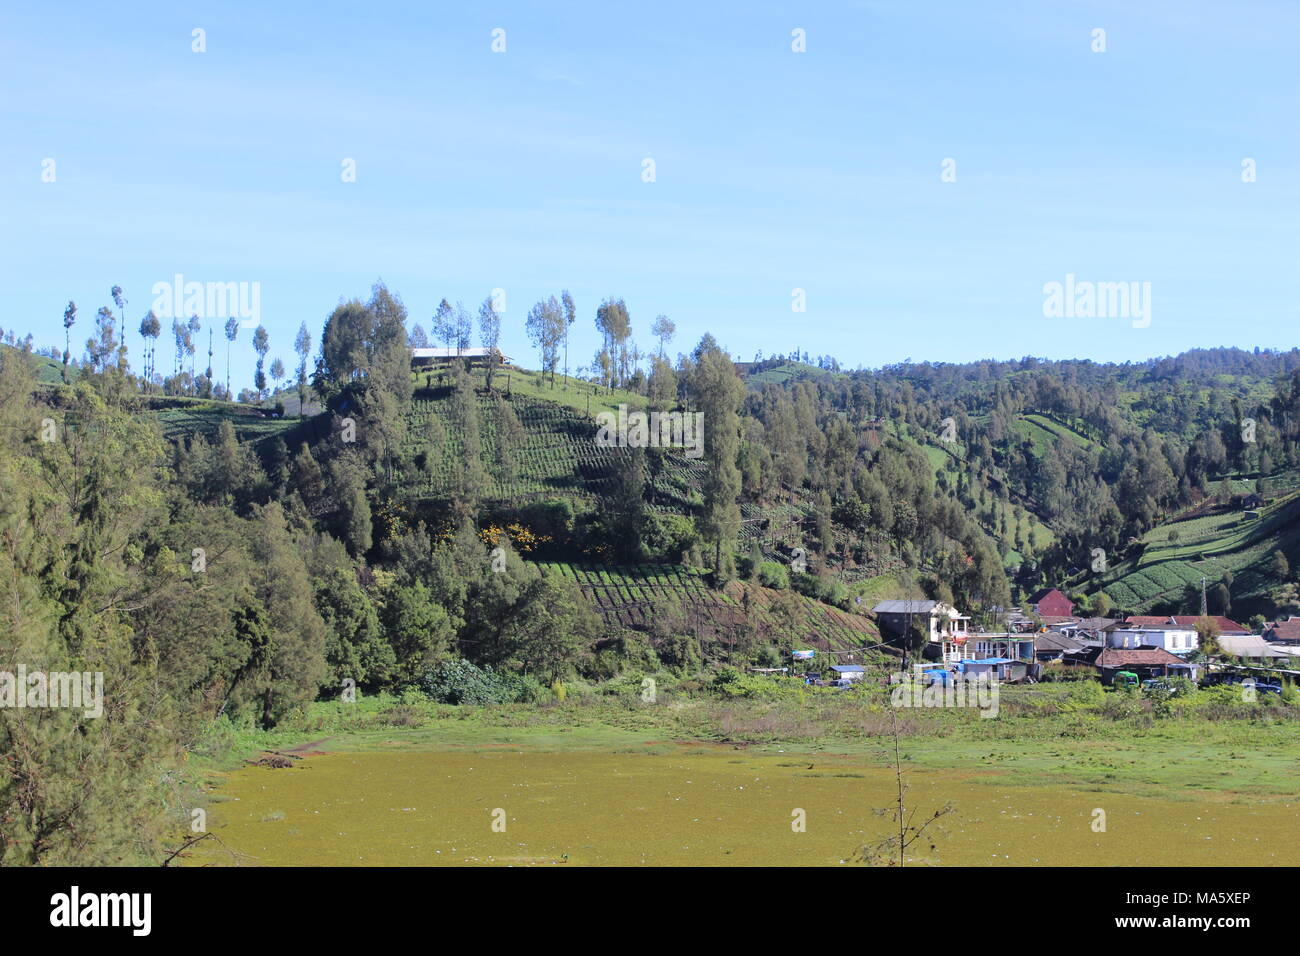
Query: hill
x=1165 y=575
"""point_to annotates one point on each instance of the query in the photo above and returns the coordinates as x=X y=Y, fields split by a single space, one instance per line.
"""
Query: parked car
x=841 y=682
x=1266 y=688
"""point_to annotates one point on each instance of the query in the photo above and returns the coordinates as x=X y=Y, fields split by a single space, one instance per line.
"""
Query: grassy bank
x=1210 y=742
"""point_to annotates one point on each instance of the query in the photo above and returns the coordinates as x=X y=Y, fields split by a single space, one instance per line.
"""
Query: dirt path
x=308 y=749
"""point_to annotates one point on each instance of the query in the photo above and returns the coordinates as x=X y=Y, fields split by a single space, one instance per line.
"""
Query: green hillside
x=632 y=597
x=1176 y=555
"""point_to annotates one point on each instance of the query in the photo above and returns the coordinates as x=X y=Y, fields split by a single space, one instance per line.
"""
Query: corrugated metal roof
x=905 y=607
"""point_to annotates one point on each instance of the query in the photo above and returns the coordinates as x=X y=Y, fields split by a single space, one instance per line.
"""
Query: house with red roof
x=1283 y=632
x=1183 y=622
x=1144 y=662
x=1051 y=602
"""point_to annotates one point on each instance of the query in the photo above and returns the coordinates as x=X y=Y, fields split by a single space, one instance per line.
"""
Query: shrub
x=458 y=681
x=773 y=575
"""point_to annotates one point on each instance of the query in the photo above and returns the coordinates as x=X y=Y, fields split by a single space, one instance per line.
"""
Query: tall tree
x=261 y=345
x=69 y=319
x=101 y=347
x=615 y=325
x=444 y=324
x=232 y=330
x=719 y=392
x=545 y=325
x=489 y=331
x=194 y=326
x=463 y=328
x=570 y=317
x=663 y=329
x=150 y=329
x=302 y=345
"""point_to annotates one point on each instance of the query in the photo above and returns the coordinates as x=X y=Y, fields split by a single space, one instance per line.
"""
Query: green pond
x=703 y=806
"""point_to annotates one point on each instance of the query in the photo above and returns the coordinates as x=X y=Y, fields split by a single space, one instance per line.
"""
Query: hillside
x=1206 y=543
x=632 y=597
x=554 y=457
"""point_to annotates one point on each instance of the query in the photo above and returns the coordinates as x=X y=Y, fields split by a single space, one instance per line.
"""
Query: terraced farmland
x=628 y=597
x=558 y=455
x=183 y=417
x=1208 y=545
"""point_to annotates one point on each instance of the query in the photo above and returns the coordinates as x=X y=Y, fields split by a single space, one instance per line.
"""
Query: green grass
x=1042 y=734
x=790 y=371
x=182 y=416
x=572 y=393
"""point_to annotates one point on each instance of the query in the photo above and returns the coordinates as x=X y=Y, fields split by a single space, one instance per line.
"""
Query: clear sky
x=774 y=170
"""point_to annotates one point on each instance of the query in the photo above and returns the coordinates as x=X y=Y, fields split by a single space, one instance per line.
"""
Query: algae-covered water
x=709 y=806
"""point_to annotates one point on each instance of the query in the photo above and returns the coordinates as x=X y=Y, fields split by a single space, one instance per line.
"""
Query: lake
x=703 y=806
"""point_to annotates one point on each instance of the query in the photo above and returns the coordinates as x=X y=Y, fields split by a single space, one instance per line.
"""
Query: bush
x=458 y=681
x=773 y=575
x=731 y=684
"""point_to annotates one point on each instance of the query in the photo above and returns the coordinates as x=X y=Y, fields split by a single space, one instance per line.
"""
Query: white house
x=941 y=621
x=1174 y=640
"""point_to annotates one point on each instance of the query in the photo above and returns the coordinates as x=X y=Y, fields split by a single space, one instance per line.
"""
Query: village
x=1045 y=640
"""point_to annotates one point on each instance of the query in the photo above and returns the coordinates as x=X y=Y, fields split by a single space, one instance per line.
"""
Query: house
x=434 y=357
x=1253 y=502
x=1174 y=640
x=1089 y=628
x=1145 y=662
x=1185 y=622
x=1053 y=645
x=941 y=621
x=1051 y=602
x=849 y=671
x=1250 y=647
x=1018 y=647
x=1283 y=632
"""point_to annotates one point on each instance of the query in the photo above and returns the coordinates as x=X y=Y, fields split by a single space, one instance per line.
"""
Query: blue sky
x=775 y=170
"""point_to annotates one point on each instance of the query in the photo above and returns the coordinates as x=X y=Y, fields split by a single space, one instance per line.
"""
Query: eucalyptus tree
x=302 y=345
x=546 y=325
x=261 y=345
x=663 y=329
x=69 y=319
x=193 y=327
x=489 y=331
x=150 y=329
x=615 y=325
x=232 y=330
x=570 y=316
x=444 y=323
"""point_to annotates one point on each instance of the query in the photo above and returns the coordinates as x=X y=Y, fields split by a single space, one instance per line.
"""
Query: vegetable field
x=631 y=597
